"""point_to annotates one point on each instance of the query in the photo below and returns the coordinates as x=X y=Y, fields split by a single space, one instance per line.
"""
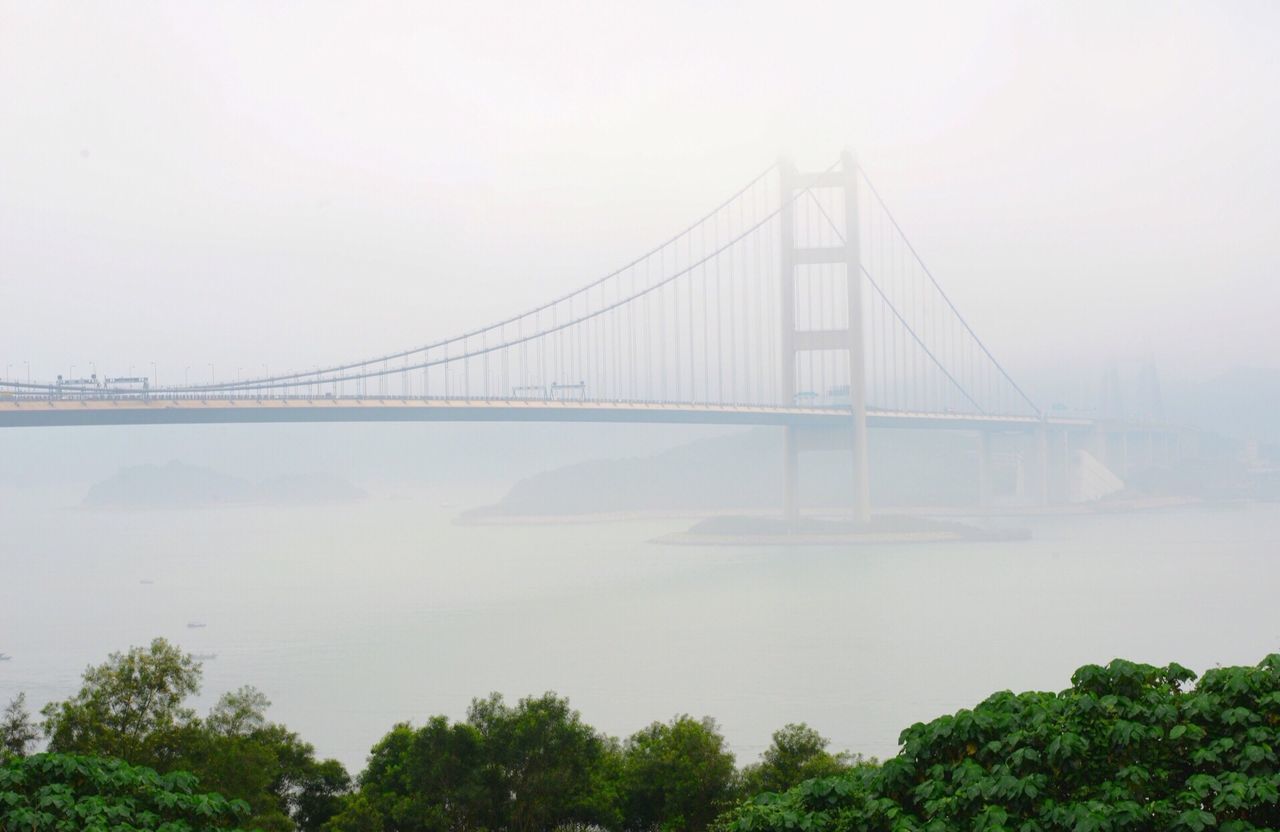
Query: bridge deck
x=139 y=411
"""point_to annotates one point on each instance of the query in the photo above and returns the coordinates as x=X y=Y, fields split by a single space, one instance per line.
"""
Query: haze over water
x=639 y=416
x=353 y=618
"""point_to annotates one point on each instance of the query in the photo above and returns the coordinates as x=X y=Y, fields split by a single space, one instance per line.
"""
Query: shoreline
x=490 y=516
x=807 y=539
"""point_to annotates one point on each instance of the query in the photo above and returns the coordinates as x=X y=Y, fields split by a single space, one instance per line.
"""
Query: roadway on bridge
x=139 y=411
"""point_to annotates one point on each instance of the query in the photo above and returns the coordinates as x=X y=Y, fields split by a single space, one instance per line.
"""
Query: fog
x=195 y=192
x=238 y=186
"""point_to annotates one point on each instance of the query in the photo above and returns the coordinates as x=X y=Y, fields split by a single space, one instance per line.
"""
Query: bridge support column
x=861 y=472
x=850 y=339
x=1064 y=478
x=1101 y=446
x=857 y=357
x=984 y=468
x=791 y=477
x=1037 y=483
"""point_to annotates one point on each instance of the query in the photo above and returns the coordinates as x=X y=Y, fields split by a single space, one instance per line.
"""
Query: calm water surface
x=356 y=617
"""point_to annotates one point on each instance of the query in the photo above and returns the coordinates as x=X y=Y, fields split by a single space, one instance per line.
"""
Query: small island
x=181 y=485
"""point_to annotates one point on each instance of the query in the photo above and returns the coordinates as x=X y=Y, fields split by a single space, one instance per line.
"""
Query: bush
x=1127 y=747
x=70 y=793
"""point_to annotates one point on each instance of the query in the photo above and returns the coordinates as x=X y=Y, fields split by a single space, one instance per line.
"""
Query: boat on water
x=196 y=625
x=204 y=657
x=4 y=657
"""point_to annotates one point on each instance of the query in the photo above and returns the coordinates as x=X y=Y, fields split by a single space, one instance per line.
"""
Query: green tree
x=430 y=779
x=676 y=775
x=318 y=793
x=18 y=732
x=543 y=760
x=239 y=713
x=797 y=753
x=131 y=707
x=63 y=792
x=237 y=751
x=134 y=707
x=1127 y=747
x=532 y=766
x=358 y=814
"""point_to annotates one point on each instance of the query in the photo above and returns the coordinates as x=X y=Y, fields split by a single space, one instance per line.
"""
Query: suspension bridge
x=798 y=302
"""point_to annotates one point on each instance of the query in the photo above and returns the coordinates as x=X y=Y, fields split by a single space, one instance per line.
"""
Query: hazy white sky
x=298 y=182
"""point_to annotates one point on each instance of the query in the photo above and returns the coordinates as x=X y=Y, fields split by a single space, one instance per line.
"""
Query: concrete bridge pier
x=1159 y=448
x=1045 y=466
x=1110 y=446
x=984 y=468
x=1126 y=449
x=1032 y=482
x=797 y=440
x=791 y=476
x=1100 y=446
x=1040 y=472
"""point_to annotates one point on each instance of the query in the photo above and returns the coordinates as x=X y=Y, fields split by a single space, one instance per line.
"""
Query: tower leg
x=856 y=346
x=1042 y=466
x=984 y=468
x=794 y=343
x=1064 y=476
x=791 y=477
x=861 y=474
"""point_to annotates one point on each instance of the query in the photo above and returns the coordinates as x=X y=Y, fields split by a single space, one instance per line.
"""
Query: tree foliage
x=130 y=707
x=797 y=753
x=431 y=779
x=269 y=767
x=525 y=767
x=544 y=758
x=18 y=731
x=133 y=707
x=71 y=793
x=1127 y=747
x=537 y=766
x=677 y=775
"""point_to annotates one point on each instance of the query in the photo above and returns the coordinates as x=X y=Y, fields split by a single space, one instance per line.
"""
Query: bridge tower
x=850 y=339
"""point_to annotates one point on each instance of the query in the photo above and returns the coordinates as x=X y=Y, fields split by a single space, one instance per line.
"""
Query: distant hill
x=744 y=471
x=179 y=485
